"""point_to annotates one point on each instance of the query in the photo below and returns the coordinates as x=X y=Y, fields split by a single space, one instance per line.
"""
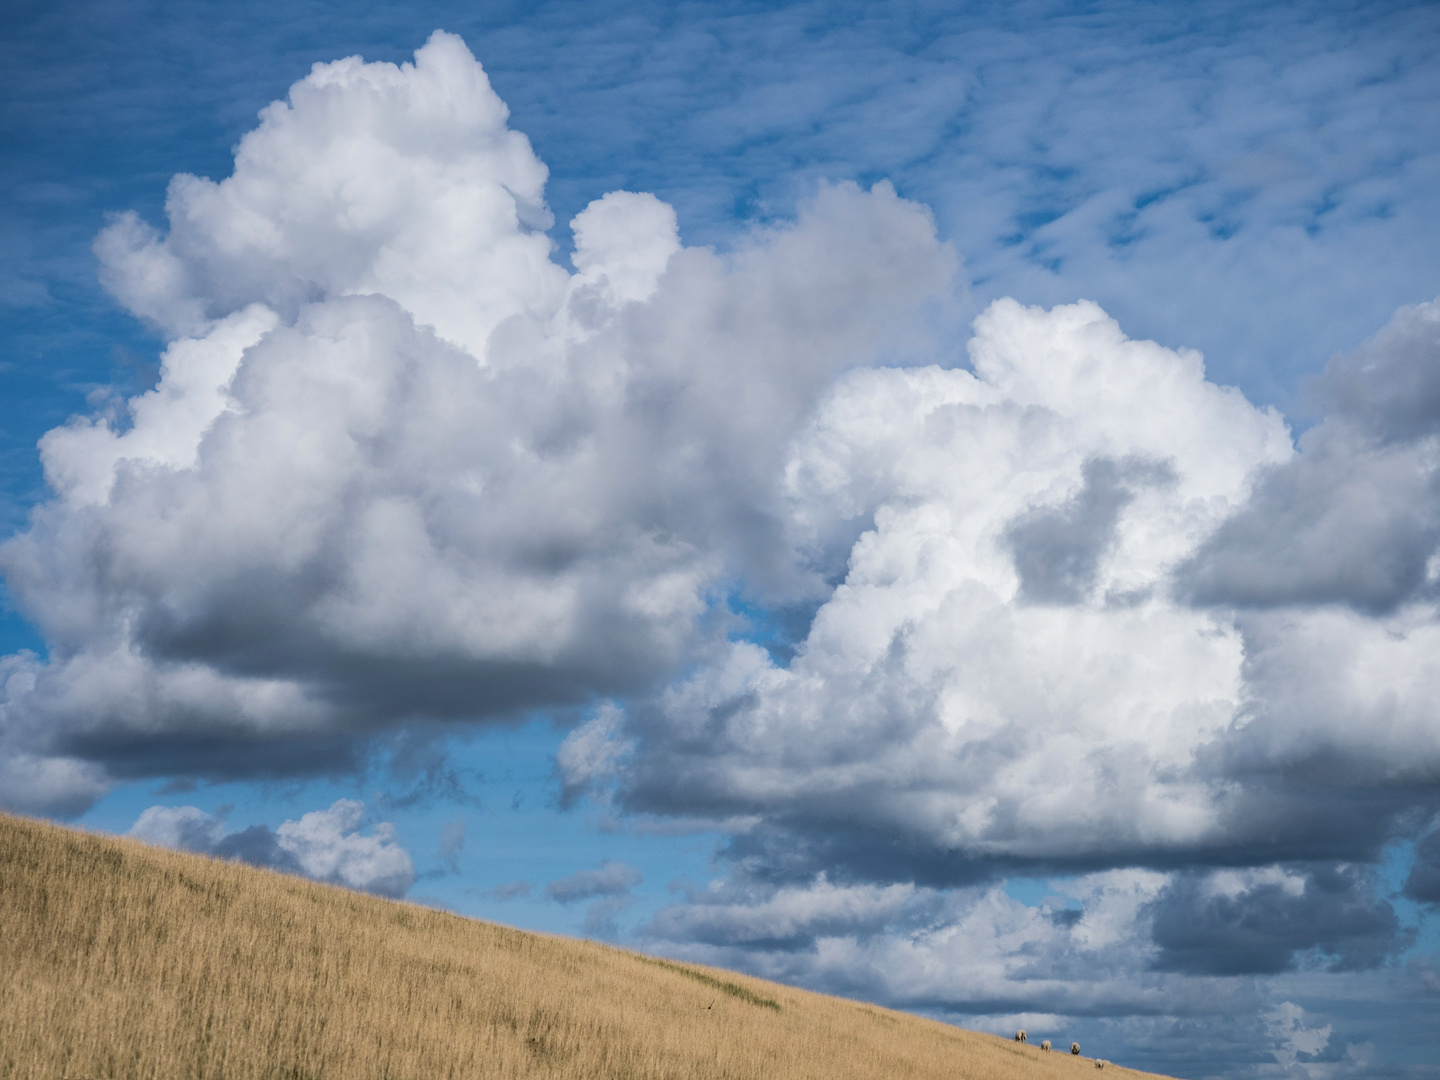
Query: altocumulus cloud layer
x=904 y=620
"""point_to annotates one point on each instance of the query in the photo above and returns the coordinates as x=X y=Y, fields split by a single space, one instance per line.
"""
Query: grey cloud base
x=1355 y=518
x=1259 y=925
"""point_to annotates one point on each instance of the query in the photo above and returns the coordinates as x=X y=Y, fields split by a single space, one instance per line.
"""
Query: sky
x=932 y=503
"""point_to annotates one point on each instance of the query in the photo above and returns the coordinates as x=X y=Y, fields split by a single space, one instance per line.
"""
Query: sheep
x=1075 y=1048
x=1100 y=1063
x=1020 y=1036
x=1045 y=1045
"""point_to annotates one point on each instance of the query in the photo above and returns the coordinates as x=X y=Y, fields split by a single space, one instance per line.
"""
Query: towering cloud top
x=402 y=181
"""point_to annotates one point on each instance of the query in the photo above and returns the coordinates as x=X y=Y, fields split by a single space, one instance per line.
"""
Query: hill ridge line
x=125 y=960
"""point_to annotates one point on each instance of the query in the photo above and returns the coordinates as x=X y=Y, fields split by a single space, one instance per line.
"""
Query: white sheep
x=1075 y=1048
x=1020 y=1036
x=1100 y=1063
x=1045 y=1045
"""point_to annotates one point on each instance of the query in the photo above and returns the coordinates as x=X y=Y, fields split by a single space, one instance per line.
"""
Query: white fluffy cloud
x=324 y=844
x=186 y=827
x=372 y=178
x=934 y=695
x=400 y=465
x=1012 y=667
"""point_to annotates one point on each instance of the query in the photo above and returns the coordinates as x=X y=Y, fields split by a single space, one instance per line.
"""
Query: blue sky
x=738 y=573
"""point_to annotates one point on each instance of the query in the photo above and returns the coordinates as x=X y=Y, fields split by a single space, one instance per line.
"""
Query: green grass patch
x=735 y=990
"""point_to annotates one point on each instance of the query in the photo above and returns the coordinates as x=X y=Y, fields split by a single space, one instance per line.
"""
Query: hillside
x=122 y=960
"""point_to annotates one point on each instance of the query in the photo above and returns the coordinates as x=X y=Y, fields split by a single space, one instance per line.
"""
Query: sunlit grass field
x=121 y=960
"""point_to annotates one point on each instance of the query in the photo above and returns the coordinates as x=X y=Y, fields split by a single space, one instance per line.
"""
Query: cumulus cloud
x=591 y=755
x=1002 y=673
x=324 y=845
x=47 y=784
x=370 y=178
x=401 y=466
x=1016 y=664
x=1287 y=1024
x=186 y=827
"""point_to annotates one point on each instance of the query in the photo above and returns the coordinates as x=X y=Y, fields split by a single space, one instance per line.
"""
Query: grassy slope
x=121 y=960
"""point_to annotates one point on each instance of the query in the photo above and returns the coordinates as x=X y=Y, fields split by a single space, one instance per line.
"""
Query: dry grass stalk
x=122 y=960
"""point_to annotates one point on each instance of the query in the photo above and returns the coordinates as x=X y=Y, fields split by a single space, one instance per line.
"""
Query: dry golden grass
x=121 y=960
